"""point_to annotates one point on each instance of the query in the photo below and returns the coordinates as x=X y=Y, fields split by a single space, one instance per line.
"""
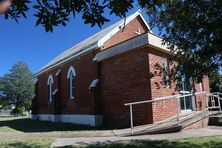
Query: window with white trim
x=165 y=71
x=201 y=86
x=50 y=84
x=71 y=77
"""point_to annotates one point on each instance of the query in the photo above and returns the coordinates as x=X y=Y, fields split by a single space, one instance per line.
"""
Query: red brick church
x=90 y=82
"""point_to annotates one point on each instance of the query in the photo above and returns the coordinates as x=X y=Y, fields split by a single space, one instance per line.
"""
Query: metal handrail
x=177 y=97
x=163 y=98
x=217 y=95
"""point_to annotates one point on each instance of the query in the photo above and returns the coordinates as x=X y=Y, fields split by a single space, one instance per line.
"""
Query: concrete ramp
x=188 y=120
x=215 y=120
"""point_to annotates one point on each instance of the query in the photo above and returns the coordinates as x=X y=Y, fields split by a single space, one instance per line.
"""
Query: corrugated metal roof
x=93 y=42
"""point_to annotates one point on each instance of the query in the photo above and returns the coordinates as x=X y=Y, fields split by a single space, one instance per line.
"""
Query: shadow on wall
x=165 y=74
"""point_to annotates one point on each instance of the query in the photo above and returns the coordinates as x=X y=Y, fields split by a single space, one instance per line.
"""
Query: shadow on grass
x=28 y=125
x=37 y=143
x=184 y=143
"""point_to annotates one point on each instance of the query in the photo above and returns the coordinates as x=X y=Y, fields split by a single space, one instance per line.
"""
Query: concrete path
x=203 y=132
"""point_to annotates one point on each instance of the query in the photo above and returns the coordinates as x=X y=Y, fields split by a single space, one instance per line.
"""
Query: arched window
x=71 y=77
x=49 y=83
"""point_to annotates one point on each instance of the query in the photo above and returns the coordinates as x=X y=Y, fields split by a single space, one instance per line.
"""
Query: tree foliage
x=59 y=12
x=17 y=86
x=215 y=82
x=194 y=26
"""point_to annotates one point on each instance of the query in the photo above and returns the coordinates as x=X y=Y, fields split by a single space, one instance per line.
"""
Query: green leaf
x=38 y=21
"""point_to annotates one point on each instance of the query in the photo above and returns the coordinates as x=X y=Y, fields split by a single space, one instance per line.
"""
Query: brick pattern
x=82 y=104
x=201 y=100
x=86 y=101
x=127 y=32
x=166 y=109
x=125 y=79
x=199 y=124
x=163 y=109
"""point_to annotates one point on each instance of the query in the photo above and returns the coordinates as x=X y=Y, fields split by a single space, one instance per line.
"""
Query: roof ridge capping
x=96 y=40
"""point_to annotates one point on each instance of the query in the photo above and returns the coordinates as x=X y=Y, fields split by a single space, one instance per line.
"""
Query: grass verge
x=34 y=143
x=206 y=142
x=5 y=129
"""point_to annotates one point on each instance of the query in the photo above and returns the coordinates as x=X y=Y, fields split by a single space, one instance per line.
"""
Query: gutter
x=147 y=39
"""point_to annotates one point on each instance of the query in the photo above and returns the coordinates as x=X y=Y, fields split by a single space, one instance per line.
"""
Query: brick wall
x=125 y=79
x=163 y=109
x=201 y=100
x=126 y=33
x=86 y=101
x=199 y=124
x=86 y=71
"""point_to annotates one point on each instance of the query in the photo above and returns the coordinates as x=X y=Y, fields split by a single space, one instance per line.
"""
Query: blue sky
x=25 y=42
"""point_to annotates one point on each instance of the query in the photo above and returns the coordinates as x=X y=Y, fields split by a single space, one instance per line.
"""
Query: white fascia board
x=123 y=47
x=145 y=22
x=109 y=35
x=142 y=40
x=156 y=41
x=68 y=59
x=115 y=30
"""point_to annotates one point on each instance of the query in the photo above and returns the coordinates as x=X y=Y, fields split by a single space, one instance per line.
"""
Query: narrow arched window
x=71 y=77
x=50 y=83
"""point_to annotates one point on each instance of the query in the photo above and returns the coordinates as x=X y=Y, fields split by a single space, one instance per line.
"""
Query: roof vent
x=138 y=32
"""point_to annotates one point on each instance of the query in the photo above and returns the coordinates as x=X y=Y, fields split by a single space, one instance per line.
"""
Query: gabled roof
x=93 y=42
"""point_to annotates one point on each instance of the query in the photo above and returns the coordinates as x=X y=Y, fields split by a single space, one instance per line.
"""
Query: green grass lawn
x=6 y=129
x=17 y=125
x=34 y=143
x=13 y=124
x=207 y=142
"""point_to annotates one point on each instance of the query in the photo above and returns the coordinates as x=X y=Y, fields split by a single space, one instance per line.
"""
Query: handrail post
x=131 y=118
x=194 y=102
x=213 y=101
x=177 y=106
x=206 y=97
x=218 y=97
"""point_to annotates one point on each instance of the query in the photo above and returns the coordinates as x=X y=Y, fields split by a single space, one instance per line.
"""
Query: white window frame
x=70 y=76
x=49 y=84
x=201 y=86
x=165 y=71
